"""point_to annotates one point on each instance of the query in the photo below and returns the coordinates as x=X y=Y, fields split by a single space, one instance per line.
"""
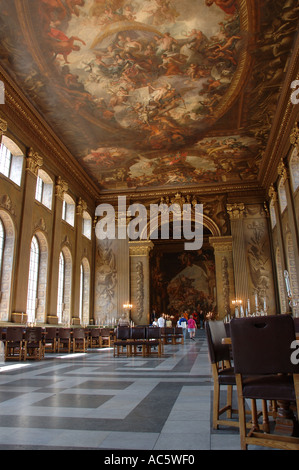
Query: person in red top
x=191 y=327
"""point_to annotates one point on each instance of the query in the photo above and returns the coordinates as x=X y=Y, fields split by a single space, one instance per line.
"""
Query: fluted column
x=33 y=162
x=236 y=214
x=140 y=280
x=60 y=188
x=81 y=207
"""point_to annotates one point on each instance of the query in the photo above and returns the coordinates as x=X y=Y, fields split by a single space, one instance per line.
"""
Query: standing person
x=161 y=321
x=191 y=327
x=183 y=324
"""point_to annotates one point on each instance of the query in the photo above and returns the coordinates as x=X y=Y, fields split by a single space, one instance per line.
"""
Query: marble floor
x=95 y=401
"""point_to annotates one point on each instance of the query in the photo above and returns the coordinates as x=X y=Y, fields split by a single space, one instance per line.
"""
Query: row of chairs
x=22 y=343
x=172 y=335
x=134 y=341
x=259 y=366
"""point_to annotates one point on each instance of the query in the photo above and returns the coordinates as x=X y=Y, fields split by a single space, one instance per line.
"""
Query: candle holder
x=238 y=306
x=128 y=307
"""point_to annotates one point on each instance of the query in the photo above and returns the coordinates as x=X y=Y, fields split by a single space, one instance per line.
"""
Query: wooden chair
x=33 y=344
x=95 y=338
x=261 y=349
x=50 y=341
x=138 y=344
x=78 y=340
x=167 y=335
x=154 y=344
x=223 y=373
x=64 y=340
x=122 y=343
x=178 y=337
x=13 y=345
x=105 y=338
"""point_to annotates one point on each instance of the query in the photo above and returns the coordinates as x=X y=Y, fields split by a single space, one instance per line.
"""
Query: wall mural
x=182 y=281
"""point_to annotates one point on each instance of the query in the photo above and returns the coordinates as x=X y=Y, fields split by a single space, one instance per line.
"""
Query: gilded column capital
x=81 y=206
x=33 y=161
x=272 y=193
x=140 y=248
x=61 y=187
x=3 y=127
x=235 y=211
x=282 y=171
x=294 y=137
x=221 y=244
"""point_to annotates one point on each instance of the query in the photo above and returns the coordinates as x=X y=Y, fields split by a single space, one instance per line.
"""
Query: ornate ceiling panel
x=153 y=93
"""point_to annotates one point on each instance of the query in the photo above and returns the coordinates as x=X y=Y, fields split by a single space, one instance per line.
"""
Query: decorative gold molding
x=81 y=206
x=3 y=127
x=272 y=193
x=140 y=248
x=294 y=137
x=235 y=211
x=33 y=161
x=221 y=244
x=282 y=171
x=61 y=187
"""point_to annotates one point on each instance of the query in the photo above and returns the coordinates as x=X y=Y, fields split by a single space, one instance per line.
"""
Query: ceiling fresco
x=152 y=93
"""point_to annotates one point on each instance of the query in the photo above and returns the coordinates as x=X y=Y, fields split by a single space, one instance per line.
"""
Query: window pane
x=60 y=287
x=5 y=160
x=32 y=280
x=39 y=189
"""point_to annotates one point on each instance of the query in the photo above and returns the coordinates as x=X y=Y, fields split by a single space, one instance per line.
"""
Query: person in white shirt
x=161 y=321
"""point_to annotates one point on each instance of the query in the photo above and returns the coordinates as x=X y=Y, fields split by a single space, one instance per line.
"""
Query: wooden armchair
x=64 y=340
x=50 y=341
x=33 y=344
x=95 y=338
x=79 y=340
x=261 y=349
x=13 y=347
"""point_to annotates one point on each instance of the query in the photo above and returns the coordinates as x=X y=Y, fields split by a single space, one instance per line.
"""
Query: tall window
x=44 y=189
x=2 y=237
x=294 y=169
x=68 y=210
x=81 y=293
x=60 y=297
x=33 y=280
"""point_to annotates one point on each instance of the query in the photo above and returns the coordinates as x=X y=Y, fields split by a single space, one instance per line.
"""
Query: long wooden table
x=227 y=339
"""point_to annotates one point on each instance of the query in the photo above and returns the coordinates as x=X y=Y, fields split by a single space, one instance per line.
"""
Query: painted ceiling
x=153 y=93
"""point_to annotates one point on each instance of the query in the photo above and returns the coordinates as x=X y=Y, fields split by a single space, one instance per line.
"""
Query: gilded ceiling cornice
x=283 y=124
x=36 y=133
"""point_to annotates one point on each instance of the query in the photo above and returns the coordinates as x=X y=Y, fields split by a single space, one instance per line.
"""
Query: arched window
x=84 y=291
x=280 y=280
x=7 y=253
x=81 y=293
x=64 y=286
x=294 y=170
x=86 y=229
x=11 y=160
x=61 y=278
x=44 y=189
x=33 y=280
x=282 y=195
x=68 y=210
x=272 y=214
